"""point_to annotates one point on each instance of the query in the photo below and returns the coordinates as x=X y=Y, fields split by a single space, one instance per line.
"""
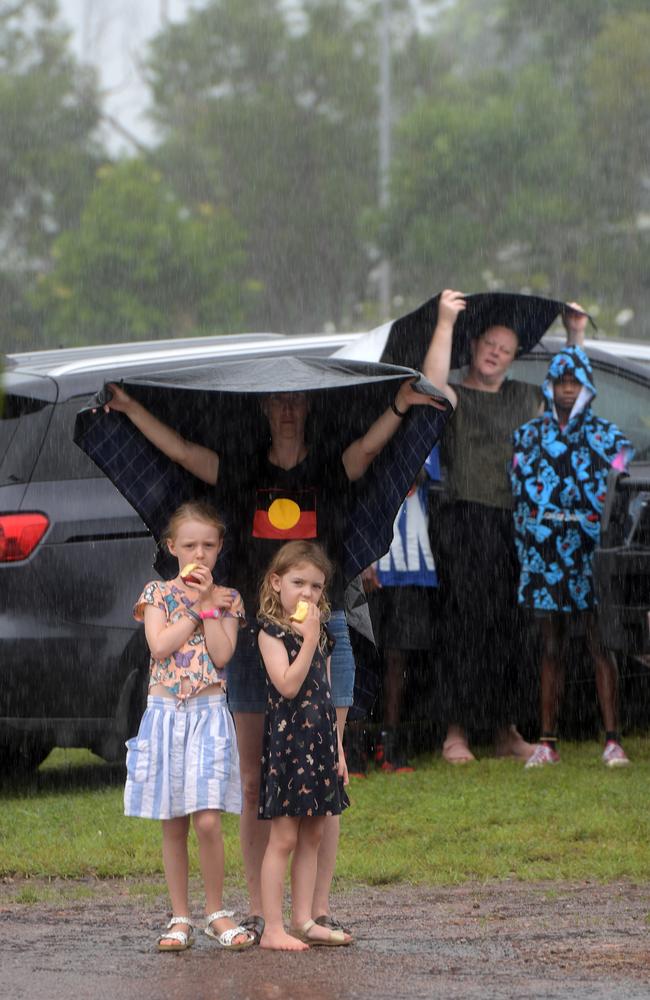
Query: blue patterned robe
x=558 y=479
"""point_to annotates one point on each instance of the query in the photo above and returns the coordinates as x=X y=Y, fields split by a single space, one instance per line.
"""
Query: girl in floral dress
x=302 y=757
x=184 y=760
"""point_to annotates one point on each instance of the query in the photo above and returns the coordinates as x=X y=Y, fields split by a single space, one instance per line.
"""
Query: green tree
x=48 y=153
x=273 y=109
x=599 y=51
x=524 y=160
x=475 y=199
x=143 y=265
x=617 y=81
x=557 y=31
x=617 y=78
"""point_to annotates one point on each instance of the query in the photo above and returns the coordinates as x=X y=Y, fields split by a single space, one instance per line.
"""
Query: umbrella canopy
x=405 y=340
x=219 y=406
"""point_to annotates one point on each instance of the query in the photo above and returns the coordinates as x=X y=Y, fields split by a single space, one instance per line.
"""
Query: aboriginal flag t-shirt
x=267 y=506
x=285 y=513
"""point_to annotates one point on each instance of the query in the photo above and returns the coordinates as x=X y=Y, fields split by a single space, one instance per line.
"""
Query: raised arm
x=358 y=456
x=201 y=462
x=575 y=324
x=437 y=361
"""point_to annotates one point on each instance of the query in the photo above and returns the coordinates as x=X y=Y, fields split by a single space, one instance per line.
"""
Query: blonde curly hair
x=290 y=555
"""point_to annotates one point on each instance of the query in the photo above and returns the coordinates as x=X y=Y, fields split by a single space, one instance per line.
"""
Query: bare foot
x=281 y=941
x=510 y=743
x=455 y=749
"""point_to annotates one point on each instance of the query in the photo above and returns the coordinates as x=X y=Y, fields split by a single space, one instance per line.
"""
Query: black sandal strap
x=327 y=920
x=255 y=925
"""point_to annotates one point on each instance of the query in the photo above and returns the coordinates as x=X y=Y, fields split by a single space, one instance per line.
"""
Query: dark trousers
x=488 y=656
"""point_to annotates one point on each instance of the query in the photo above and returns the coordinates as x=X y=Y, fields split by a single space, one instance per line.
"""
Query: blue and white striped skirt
x=183 y=759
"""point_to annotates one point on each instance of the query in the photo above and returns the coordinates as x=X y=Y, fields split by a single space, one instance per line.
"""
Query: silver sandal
x=226 y=938
x=184 y=940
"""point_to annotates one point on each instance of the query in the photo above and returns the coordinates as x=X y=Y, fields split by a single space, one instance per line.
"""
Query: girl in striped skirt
x=184 y=760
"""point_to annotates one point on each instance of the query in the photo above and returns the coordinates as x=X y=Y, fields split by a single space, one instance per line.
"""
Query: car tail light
x=20 y=534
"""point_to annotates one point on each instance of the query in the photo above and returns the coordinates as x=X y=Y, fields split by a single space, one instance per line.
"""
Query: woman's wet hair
x=193 y=510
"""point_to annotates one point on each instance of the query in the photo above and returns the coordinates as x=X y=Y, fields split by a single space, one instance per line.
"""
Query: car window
x=23 y=421
x=627 y=404
x=60 y=457
x=531 y=369
x=620 y=399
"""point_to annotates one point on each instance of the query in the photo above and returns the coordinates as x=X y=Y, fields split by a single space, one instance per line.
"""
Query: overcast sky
x=112 y=34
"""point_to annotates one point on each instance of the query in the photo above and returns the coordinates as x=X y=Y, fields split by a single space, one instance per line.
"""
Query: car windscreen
x=23 y=422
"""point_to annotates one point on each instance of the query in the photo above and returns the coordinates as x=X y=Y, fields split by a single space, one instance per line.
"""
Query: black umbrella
x=529 y=316
x=218 y=405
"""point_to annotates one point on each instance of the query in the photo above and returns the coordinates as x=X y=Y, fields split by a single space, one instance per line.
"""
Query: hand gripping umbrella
x=405 y=341
x=217 y=405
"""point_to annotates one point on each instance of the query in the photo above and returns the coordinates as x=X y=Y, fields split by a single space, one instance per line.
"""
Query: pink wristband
x=212 y=613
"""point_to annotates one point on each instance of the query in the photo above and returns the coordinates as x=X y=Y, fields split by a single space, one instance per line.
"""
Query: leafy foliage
x=472 y=193
x=48 y=113
x=280 y=120
x=142 y=265
x=520 y=160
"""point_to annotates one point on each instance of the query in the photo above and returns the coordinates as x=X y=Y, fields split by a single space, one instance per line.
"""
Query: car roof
x=75 y=371
x=623 y=358
x=47 y=361
x=80 y=370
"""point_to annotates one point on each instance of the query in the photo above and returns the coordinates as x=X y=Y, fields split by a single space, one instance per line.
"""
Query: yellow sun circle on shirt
x=284 y=513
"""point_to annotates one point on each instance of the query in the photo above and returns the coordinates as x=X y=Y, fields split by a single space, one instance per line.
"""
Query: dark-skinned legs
x=552 y=674
x=555 y=632
x=395 y=668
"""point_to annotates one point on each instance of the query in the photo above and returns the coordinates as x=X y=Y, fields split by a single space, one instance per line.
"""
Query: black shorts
x=403 y=617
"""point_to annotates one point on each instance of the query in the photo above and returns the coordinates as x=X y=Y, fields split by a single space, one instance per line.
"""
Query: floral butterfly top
x=192 y=660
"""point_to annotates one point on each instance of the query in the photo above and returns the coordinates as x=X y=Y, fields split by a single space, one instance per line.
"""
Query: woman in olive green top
x=485 y=647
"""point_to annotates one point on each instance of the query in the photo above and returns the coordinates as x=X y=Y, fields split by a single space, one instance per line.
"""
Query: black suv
x=73 y=553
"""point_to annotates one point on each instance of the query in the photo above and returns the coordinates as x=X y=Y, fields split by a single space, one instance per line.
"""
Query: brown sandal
x=327 y=920
x=337 y=938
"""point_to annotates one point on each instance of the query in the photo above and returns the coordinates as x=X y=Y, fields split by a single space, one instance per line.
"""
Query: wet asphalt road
x=496 y=941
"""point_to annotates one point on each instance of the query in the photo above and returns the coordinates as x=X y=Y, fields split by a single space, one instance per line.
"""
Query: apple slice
x=301 y=612
x=187 y=573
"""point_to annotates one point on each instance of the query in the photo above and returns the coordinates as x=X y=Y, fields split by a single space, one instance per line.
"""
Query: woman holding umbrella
x=290 y=489
x=479 y=567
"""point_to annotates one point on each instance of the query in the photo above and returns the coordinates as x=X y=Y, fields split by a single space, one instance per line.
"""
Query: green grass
x=439 y=825
x=60 y=758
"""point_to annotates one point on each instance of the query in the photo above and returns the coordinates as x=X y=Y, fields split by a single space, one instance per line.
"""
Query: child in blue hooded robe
x=558 y=477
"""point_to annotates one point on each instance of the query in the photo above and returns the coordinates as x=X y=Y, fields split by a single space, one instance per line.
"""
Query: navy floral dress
x=300 y=747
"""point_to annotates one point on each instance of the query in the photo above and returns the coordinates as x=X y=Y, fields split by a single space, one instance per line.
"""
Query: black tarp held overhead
x=217 y=405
